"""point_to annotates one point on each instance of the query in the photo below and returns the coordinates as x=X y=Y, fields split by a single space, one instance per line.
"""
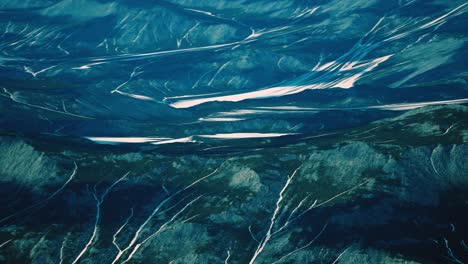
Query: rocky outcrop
x=23 y=165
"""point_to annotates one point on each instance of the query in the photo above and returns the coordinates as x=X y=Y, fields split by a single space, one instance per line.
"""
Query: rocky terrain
x=380 y=193
x=233 y=131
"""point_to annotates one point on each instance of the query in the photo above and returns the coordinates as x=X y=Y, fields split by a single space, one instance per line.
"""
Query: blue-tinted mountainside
x=233 y=131
x=176 y=69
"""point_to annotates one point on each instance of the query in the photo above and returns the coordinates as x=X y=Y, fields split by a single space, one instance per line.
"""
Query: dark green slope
x=391 y=191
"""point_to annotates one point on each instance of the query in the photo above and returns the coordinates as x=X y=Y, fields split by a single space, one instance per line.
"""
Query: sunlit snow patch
x=119 y=140
x=245 y=135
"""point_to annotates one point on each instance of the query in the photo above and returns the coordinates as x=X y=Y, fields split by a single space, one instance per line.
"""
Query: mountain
x=286 y=131
x=385 y=192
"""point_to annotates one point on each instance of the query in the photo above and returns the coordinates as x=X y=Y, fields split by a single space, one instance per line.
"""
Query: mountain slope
x=380 y=193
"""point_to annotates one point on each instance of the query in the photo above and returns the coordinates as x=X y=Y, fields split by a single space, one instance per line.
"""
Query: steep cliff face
x=344 y=196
